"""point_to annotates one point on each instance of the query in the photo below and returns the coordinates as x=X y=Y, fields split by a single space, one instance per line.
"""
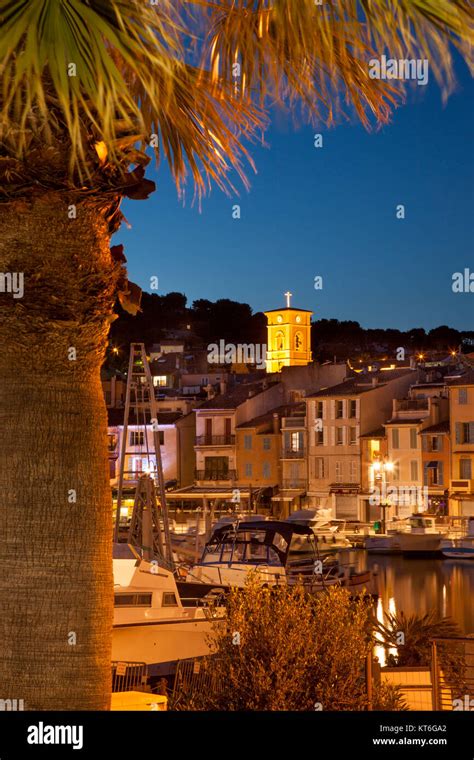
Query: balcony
x=293 y=454
x=411 y=405
x=215 y=440
x=214 y=475
x=294 y=484
x=294 y=422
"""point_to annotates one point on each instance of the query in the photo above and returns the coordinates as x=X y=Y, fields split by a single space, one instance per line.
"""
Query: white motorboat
x=329 y=534
x=461 y=547
x=382 y=543
x=422 y=536
x=151 y=624
x=265 y=549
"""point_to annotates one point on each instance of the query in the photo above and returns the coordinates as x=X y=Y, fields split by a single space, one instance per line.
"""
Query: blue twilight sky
x=330 y=212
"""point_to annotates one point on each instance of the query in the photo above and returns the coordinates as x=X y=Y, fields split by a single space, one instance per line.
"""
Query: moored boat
x=461 y=547
x=151 y=624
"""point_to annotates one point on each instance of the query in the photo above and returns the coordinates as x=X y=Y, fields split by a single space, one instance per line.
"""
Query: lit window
x=137 y=438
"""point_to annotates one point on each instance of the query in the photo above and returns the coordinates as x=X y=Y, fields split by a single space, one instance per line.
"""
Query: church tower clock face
x=288 y=337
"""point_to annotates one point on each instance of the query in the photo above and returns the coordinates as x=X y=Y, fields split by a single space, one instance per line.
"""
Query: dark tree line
x=207 y=321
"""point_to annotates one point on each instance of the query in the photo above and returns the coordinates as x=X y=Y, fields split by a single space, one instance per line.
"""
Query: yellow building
x=461 y=413
x=288 y=337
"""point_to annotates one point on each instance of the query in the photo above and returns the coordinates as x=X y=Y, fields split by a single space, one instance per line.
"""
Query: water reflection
x=420 y=585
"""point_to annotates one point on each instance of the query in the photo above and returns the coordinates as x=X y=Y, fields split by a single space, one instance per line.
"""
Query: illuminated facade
x=288 y=337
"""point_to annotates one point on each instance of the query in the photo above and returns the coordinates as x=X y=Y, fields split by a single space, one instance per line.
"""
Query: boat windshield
x=250 y=547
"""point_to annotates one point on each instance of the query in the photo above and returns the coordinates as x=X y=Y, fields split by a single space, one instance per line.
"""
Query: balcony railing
x=215 y=474
x=293 y=454
x=411 y=405
x=294 y=483
x=215 y=440
x=294 y=422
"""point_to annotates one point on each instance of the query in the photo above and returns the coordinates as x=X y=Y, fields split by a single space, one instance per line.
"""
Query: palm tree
x=86 y=87
x=411 y=636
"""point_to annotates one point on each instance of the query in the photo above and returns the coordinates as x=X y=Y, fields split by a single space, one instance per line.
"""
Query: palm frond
x=198 y=75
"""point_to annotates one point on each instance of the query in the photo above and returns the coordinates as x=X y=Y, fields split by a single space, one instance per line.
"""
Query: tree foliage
x=285 y=649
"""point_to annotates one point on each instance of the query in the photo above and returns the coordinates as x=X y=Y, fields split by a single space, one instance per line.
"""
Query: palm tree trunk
x=56 y=587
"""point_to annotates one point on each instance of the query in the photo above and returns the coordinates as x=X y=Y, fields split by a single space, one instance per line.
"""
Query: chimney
x=276 y=423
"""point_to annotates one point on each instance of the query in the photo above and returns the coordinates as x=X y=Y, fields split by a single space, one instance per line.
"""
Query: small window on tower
x=298 y=342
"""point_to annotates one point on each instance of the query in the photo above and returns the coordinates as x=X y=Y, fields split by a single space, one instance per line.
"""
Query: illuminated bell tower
x=288 y=337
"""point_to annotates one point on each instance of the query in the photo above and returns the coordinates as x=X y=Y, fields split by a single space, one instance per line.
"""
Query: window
x=352 y=436
x=464 y=432
x=318 y=437
x=319 y=410
x=298 y=342
x=395 y=438
x=295 y=441
x=352 y=408
x=435 y=443
x=112 y=442
x=465 y=469
x=161 y=437
x=462 y=396
x=353 y=471
x=159 y=381
x=339 y=409
x=267 y=444
x=216 y=468
x=414 y=469
x=413 y=438
x=433 y=474
x=248 y=470
x=396 y=471
x=137 y=438
x=247 y=442
x=338 y=470
x=169 y=599
x=132 y=600
x=266 y=470
x=339 y=436
x=319 y=468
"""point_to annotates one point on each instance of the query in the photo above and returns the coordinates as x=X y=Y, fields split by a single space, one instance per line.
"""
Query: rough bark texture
x=56 y=586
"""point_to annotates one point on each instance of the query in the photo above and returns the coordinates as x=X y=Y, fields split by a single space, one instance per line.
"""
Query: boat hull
x=160 y=644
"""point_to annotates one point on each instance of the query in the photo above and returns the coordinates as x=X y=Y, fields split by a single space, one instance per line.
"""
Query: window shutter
x=440 y=473
x=471 y=432
x=424 y=439
x=458 y=432
x=425 y=474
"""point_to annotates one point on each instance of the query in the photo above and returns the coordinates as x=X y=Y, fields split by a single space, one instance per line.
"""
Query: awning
x=198 y=492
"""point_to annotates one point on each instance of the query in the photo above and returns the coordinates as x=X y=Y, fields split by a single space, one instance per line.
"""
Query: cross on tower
x=288 y=296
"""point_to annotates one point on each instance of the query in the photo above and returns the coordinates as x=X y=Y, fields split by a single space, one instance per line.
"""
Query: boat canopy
x=275 y=534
